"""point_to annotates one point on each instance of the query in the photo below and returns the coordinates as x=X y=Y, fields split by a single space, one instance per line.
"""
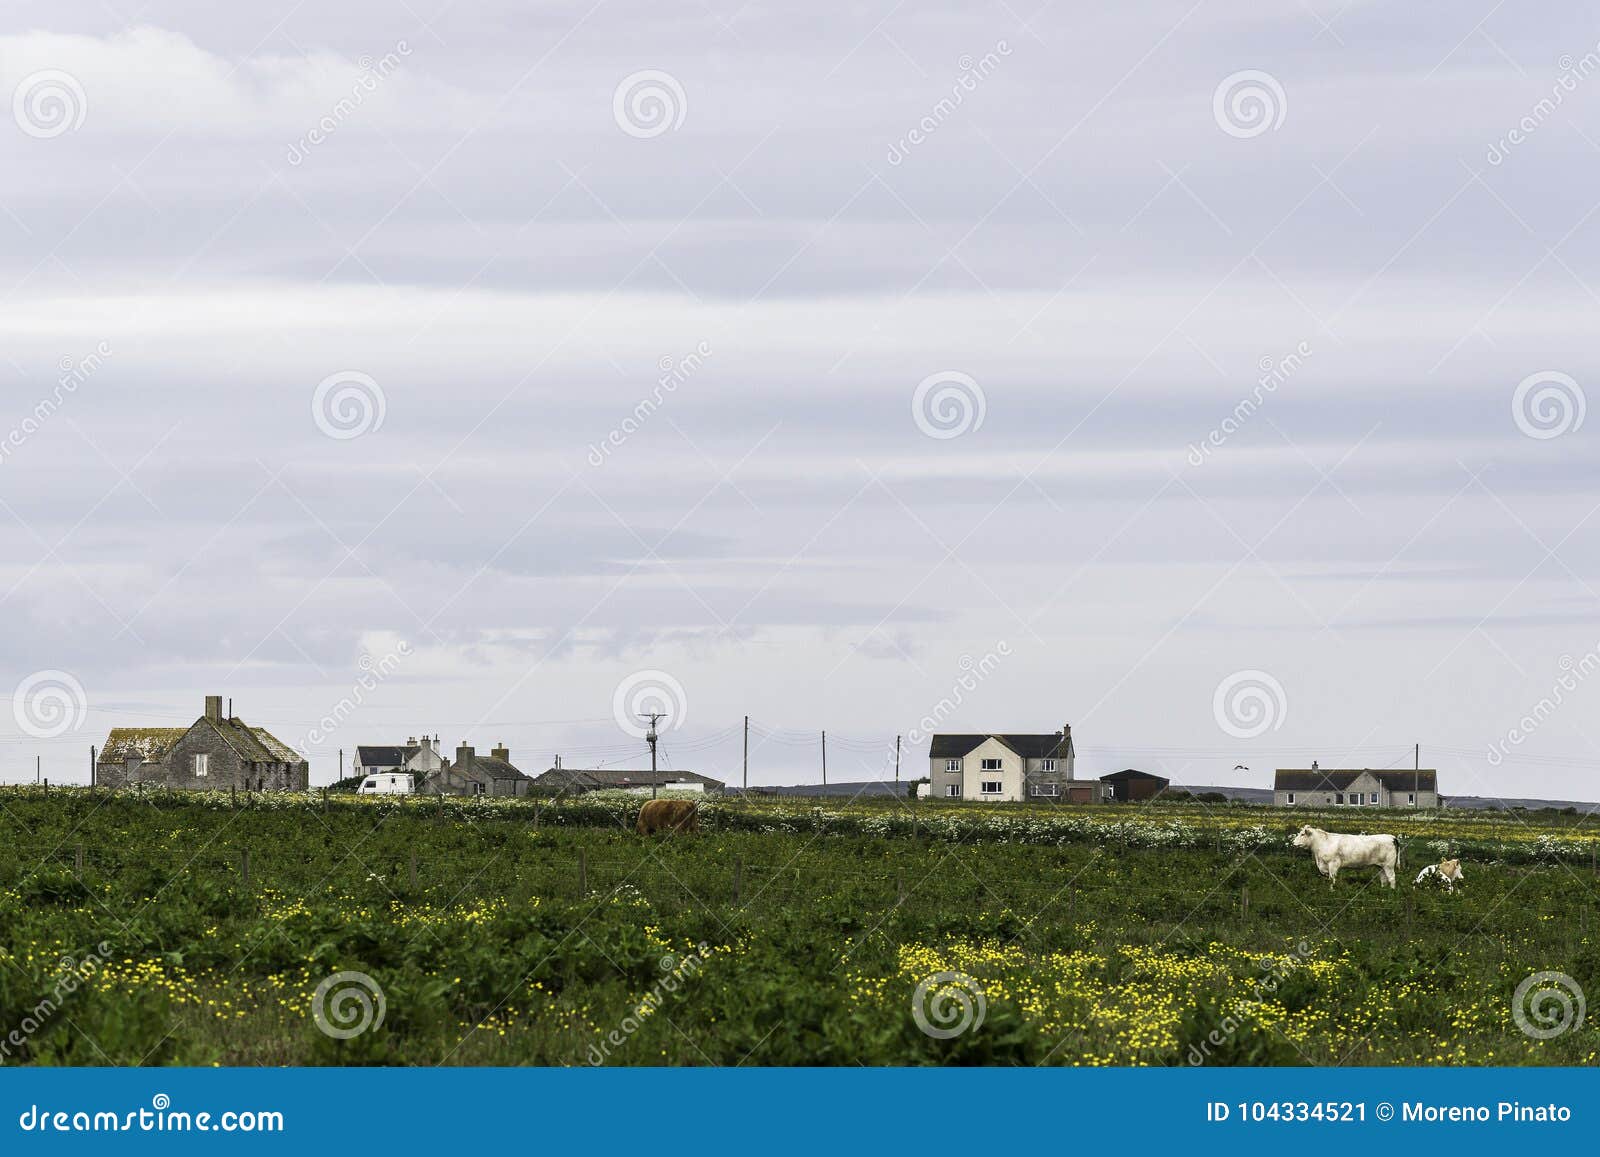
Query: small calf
x=1446 y=871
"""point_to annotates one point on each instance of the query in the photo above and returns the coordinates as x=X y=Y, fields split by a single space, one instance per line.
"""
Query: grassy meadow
x=195 y=929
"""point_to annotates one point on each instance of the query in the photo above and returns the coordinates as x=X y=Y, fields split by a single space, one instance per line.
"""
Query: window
x=1374 y=798
x=952 y=765
x=992 y=787
x=1049 y=765
x=1047 y=788
x=1339 y=798
x=953 y=791
x=1291 y=798
x=202 y=764
x=1411 y=797
x=991 y=765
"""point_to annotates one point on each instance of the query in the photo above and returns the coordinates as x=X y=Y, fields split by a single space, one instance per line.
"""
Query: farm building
x=577 y=780
x=1130 y=786
x=1003 y=768
x=214 y=752
x=1385 y=787
x=473 y=774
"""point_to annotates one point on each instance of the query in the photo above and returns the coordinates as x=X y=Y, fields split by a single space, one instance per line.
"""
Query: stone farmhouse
x=215 y=752
x=472 y=774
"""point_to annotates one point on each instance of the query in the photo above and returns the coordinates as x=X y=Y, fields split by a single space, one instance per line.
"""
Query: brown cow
x=668 y=815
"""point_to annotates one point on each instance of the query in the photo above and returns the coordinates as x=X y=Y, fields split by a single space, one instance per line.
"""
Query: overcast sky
x=964 y=312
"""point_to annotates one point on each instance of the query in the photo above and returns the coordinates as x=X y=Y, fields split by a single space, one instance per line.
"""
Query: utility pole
x=897 y=759
x=341 y=763
x=824 y=759
x=747 y=753
x=1416 y=775
x=38 y=768
x=650 y=738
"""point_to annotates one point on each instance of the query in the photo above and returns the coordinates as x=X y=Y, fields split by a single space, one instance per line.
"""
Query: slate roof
x=381 y=755
x=1331 y=779
x=497 y=768
x=150 y=743
x=1131 y=773
x=590 y=779
x=1050 y=746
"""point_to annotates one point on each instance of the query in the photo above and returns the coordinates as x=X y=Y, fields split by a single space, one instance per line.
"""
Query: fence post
x=738 y=876
x=1072 y=903
x=244 y=866
x=1244 y=901
x=583 y=873
x=324 y=801
x=77 y=861
x=412 y=874
x=233 y=795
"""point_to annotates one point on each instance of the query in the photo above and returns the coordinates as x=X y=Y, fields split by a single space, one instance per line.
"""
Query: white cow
x=1332 y=851
x=1447 y=872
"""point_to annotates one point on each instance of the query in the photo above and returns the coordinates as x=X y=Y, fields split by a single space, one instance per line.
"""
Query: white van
x=386 y=783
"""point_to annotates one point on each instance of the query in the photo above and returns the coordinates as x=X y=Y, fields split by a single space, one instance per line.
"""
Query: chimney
x=464 y=753
x=214 y=708
x=411 y=741
x=500 y=752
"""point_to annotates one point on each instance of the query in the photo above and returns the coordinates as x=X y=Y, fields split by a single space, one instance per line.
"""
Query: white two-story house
x=1008 y=768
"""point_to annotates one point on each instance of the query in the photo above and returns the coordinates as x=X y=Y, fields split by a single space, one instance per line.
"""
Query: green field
x=192 y=929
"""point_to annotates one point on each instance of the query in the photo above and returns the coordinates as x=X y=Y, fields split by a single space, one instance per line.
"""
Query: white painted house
x=397 y=769
x=1008 y=768
x=1350 y=787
